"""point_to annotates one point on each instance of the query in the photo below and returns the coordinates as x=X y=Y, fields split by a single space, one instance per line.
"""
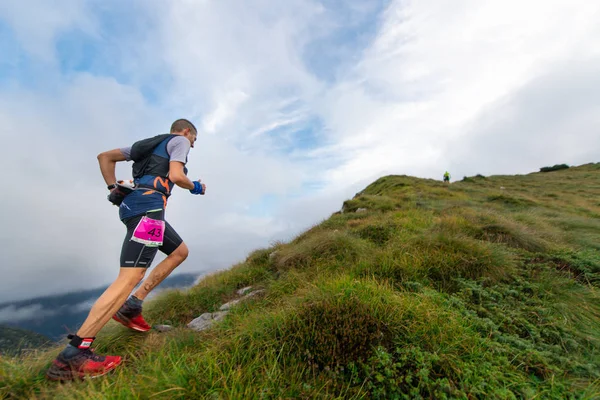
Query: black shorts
x=134 y=254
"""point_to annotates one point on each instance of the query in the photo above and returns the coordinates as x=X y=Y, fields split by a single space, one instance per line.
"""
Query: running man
x=447 y=177
x=159 y=165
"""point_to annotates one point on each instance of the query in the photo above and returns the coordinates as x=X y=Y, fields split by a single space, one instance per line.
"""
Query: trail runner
x=159 y=165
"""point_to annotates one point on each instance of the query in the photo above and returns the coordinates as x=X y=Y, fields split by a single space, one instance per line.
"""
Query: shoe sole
x=56 y=374
x=126 y=322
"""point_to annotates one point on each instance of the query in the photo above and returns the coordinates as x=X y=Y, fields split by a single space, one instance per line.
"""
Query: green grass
x=485 y=288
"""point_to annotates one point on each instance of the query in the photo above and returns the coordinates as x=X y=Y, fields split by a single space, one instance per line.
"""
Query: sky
x=299 y=105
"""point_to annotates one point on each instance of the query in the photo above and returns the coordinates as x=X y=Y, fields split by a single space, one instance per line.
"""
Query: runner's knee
x=132 y=276
x=181 y=251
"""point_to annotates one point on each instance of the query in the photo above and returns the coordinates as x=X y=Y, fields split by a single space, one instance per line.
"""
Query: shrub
x=473 y=178
x=511 y=201
x=583 y=266
x=556 y=167
x=444 y=258
x=331 y=334
x=512 y=235
x=322 y=246
x=371 y=203
x=379 y=234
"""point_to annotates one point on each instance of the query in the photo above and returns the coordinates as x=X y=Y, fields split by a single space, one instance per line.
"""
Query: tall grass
x=485 y=288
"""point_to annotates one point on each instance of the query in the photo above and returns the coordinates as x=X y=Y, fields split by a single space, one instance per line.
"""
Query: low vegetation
x=556 y=167
x=484 y=288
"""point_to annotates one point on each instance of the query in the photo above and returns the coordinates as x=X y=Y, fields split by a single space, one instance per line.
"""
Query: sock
x=134 y=302
x=81 y=343
x=69 y=351
x=76 y=345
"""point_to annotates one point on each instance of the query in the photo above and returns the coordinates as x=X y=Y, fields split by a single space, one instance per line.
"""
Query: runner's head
x=185 y=128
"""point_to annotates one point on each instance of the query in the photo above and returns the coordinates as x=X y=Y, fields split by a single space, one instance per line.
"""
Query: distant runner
x=447 y=177
x=159 y=165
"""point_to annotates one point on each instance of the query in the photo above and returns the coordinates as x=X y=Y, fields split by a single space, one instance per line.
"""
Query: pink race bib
x=149 y=232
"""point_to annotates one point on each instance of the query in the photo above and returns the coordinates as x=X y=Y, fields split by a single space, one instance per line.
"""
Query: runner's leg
x=110 y=301
x=76 y=360
x=135 y=258
x=176 y=251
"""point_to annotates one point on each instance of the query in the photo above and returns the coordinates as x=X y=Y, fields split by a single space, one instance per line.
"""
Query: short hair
x=182 y=124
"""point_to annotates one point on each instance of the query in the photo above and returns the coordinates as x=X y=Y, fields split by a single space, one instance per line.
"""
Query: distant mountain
x=14 y=340
x=58 y=315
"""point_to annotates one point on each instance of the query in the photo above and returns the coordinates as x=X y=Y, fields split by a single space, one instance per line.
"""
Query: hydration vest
x=151 y=163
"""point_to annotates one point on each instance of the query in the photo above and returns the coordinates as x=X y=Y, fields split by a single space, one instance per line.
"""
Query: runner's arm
x=108 y=161
x=177 y=176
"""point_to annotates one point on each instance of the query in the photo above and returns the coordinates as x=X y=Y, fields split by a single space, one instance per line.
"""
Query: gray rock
x=361 y=210
x=206 y=320
x=202 y=322
x=219 y=315
x=229 y=304
x=163 y=328
x=252 y=294
x=243 y=291
x=273 y=254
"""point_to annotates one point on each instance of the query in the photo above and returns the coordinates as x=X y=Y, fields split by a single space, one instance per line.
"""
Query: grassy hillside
x=487 y=287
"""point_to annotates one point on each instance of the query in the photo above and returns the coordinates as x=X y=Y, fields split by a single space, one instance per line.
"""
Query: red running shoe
x=86 y=364
x=132 y=319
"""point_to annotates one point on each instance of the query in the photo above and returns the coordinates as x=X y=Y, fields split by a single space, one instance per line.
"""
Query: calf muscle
x=110 y=301
x=161 y=271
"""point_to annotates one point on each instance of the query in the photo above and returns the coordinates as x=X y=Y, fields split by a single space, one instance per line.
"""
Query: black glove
x=119 y=193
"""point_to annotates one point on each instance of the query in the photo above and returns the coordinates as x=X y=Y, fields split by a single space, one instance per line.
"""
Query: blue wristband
x=197 y=188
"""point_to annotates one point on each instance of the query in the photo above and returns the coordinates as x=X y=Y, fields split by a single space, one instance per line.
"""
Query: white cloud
x=434 y=67
x=548 y=121
x=37 y=23
x=13 y=314
x=226 y=108
x=83 y=305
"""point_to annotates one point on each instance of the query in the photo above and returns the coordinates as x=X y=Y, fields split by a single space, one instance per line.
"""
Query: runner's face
x=192 y=136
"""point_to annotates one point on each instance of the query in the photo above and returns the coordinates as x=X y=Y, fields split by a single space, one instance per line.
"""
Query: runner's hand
x=199 y=188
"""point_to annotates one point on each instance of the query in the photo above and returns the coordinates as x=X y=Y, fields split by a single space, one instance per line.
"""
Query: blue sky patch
x=353 y=27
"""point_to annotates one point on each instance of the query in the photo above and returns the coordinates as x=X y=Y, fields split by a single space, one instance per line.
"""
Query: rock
x=229 y=304
x=206 y=320
x=202 y=322
x=252 y=294
x=271 y=256
x=361 y=210
x=502 y=188
x=163 y=328
x=219 y=315
x=243 y=291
